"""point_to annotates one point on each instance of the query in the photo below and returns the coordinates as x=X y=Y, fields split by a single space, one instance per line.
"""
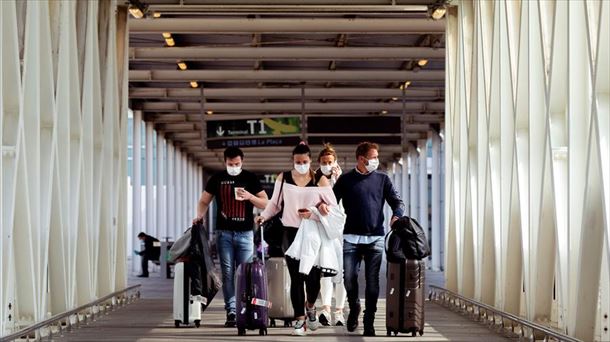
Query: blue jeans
x=233 y=248
x=353 y=254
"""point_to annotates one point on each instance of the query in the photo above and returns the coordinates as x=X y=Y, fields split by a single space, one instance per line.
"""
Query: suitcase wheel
x=177 y=323
x=241 y=332
x=272 y=323
x=197 y=323
x=262 y=332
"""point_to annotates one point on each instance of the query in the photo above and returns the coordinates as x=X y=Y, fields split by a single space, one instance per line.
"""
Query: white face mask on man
x=372 y=165
x=234 y=170
x=302 y=168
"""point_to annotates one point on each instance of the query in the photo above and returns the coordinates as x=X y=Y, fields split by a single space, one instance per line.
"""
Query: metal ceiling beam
x=286 y=25
x=292 y=106
x=196 y=118
x=284 y=53
x=288 y=9
x=213 y=93
x=285 y=75
x=289 y=2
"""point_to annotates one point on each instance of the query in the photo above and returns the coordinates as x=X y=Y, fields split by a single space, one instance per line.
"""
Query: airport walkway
x=150 y=319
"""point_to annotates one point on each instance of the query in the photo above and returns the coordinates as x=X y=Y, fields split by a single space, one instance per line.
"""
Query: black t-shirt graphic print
x=233 y=214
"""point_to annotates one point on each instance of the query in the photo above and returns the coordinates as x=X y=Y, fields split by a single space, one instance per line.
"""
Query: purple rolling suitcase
x=251 y=297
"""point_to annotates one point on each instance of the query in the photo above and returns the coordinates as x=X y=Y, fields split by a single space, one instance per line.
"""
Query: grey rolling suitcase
x=279 y=291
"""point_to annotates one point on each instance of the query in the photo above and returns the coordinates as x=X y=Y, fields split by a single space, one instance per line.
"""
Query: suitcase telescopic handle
x=262 y=243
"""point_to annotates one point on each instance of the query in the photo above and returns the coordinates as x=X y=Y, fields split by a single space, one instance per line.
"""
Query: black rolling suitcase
x=405 y=297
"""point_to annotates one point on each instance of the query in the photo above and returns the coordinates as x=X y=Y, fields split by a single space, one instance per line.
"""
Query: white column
x=191 y=189
x=178 y=190
x=387 y=211
x=405 y=195
x=136 y=226
x=397 y=179
x=161 y=207
x=413 y=185
x=423 y=185
x=184 y=217
x=436 y=202
x=171 y=203
x=150 y=211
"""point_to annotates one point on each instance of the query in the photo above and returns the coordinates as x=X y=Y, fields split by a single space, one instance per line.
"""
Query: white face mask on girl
x=372 y=165
x=302 y=168
x=234 y=170
x=327 y=169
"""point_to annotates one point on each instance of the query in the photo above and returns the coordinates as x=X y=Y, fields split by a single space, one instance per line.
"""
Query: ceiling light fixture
x=137 y=9
x=170 y=41
x=136 y=12
x=437 y=12
x=157 y=15
x=194 y=84
x=395 y=99
x=384 y=112
x=166 y=35
x=209 y=112
x=406 y=85
x=422 y=62
x=182 y=65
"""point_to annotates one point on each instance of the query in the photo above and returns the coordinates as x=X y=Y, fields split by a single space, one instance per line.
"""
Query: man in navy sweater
x=364 y=191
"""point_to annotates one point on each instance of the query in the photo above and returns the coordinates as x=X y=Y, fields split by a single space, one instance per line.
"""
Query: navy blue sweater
x=363 y=198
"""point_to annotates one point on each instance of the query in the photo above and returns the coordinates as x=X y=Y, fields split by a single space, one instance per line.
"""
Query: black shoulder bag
x=274 y=228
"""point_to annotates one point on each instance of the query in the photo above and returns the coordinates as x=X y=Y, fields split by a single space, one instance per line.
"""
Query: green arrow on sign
x=281 y=128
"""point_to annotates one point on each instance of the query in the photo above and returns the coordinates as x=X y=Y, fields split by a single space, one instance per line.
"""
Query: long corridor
x=150 y=319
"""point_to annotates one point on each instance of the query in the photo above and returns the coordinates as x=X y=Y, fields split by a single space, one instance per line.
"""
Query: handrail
x=545 y=331
x=33 y=328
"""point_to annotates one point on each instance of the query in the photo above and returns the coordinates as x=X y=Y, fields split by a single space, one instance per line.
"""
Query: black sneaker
x=142 y=275
x=352 y=318
x=368 y=331
x=369 y=324
x=230 y=323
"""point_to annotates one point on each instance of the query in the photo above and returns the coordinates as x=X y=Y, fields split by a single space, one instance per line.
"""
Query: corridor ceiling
x=341 y=66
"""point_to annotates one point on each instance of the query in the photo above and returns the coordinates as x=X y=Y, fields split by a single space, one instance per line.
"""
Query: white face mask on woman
x=327 y=169
x=302 y=168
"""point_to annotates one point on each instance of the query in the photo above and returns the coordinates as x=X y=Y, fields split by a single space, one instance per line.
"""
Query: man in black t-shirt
x=237 y=192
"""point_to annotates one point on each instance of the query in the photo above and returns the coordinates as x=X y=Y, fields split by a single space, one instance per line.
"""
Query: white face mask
x=327 y=169
x=234 y=170
x=302 y=168
x=372 y=165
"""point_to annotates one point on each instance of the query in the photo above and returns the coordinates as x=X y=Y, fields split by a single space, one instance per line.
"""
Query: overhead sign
x=254 y=127
x=253 y=142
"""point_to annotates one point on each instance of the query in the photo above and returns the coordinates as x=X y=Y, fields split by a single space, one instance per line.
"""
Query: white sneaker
x=339 y=319
x=324 y=317
x=312 y=319
x=299 y=328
